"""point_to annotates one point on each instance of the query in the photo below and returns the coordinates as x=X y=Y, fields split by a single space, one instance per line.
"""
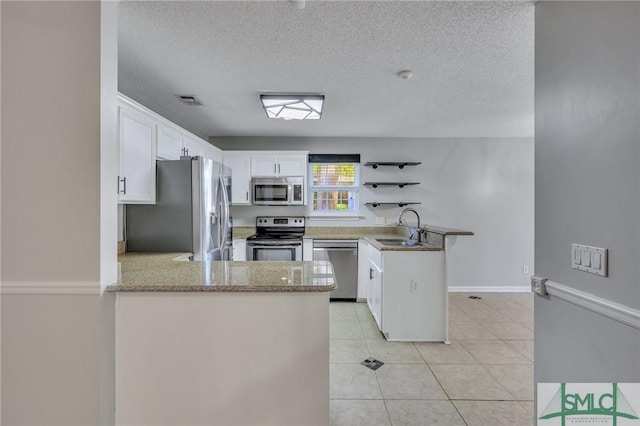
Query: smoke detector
x=405 y=74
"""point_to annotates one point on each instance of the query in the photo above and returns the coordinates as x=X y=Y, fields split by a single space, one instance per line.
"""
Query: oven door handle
x=274 y=244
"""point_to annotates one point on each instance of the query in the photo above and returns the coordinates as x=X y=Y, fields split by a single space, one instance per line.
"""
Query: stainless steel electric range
x=276 y=238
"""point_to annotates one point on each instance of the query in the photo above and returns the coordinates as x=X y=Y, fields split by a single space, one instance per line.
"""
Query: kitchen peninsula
x=216 y=343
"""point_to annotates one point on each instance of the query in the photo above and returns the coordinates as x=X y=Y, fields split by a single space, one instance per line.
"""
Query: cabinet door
x=239 y=249
x=137 y=183
x=374 y=293
x=211 y=152
x=264 y=165
x=169 y=144
x=240 y=176
x=363 y=269
x=192 y=147
x=307 y=249
x=292 y=165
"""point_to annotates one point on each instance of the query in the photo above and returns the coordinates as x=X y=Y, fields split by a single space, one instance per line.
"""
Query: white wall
x=483 y=185
x=50 y=171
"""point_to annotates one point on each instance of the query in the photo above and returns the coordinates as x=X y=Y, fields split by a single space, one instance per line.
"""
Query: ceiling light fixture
x=293 y=107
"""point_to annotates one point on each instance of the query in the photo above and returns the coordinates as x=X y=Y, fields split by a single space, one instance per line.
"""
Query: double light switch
x=589 y=259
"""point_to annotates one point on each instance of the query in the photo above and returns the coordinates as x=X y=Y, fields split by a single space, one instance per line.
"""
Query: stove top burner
x=278 y=228
x=262 y=237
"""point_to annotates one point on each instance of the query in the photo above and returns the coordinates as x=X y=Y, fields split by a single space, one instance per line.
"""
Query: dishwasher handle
x=335 y=244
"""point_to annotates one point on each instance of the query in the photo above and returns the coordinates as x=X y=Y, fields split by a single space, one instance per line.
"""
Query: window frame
x=355 y=188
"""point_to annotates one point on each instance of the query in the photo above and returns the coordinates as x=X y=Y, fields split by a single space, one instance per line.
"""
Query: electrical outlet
x=389 y=221
x=525 y=269
x=414 y=286
x=379 y=220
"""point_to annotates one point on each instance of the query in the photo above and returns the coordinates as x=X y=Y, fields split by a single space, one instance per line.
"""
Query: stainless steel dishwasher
x=343 y=255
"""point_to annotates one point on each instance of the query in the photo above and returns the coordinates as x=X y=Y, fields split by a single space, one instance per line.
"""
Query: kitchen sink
x=400 y=243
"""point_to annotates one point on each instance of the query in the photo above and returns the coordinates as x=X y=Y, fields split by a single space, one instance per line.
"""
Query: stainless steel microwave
x=283 y=191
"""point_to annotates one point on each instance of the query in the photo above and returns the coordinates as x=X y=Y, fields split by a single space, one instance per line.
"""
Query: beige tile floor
x=484 y=377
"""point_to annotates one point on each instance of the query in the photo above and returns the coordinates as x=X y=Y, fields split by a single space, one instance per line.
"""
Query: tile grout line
x=522 y=403
x=441 y=387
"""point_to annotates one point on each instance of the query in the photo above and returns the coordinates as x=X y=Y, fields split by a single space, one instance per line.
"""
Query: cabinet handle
x=247 y=195
x=275 y=168
x=118 y=186
x=278 y=168
x=370 y=273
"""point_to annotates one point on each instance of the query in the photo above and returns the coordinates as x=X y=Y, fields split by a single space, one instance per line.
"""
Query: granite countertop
x=374 y=233
x=159 y=272
x=445 y=231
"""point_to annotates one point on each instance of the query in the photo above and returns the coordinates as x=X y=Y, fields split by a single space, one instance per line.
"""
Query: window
x=333 y=187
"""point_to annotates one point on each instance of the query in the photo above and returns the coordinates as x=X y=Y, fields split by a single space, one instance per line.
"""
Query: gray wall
x=484 y=185
x=587 y=155
x=51 y=149
x=50 y=170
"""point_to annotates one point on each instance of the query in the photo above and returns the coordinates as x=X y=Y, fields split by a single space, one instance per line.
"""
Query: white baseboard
x=490 y=289
x=50 y=287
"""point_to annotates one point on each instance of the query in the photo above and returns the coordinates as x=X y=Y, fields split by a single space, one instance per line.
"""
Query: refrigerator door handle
x=225 y=218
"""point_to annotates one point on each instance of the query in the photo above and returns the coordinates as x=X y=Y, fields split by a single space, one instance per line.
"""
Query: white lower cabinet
x=363 y=269
x=239 y=249
x=307 y=249
x=407 y=294
x=374 y=292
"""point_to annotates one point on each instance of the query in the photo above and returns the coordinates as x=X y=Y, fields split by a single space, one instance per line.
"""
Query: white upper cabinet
x=274 y=164
x=292 y=165
x=192 y=147
x=173 y=143
x=137 y=149
x=239 y=161
x=211 y=152
x=264 y=165
x=144 y=137
x=169 y=143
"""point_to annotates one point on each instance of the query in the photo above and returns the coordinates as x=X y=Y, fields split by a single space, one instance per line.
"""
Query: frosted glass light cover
x=293 y=114
x=293 y=107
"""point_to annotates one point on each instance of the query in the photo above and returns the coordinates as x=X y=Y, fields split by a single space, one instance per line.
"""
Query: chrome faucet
x=400 y=220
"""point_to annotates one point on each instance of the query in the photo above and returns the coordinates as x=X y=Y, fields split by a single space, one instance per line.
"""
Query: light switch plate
x=593 y=260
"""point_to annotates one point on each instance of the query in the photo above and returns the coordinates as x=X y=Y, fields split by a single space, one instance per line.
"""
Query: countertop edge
x=133 y=288
x=446 y=231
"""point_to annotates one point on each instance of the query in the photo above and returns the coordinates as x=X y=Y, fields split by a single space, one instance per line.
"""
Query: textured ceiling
x=472 y=63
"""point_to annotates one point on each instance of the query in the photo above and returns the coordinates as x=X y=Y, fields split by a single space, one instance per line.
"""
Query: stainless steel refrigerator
x=191 y=213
